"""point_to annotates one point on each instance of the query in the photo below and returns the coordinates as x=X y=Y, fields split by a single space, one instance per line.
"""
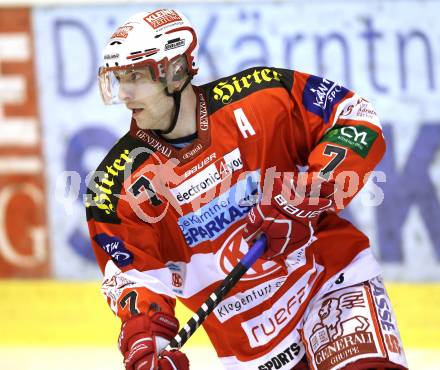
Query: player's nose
x=125 y=93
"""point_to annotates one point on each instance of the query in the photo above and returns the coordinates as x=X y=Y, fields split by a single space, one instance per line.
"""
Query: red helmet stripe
x=144 y=54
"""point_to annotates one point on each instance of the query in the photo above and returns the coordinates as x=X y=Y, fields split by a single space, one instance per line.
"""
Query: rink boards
x=48 y=313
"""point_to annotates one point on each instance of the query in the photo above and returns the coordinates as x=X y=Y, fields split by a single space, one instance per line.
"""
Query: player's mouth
x=137 y=111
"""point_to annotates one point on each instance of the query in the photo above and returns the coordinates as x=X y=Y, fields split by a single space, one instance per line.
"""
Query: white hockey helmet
x=149 y=39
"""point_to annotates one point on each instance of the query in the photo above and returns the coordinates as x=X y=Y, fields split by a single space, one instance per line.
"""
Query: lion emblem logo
x=335 y=319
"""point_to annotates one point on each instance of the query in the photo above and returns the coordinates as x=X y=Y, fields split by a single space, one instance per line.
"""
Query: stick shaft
x=217 y=296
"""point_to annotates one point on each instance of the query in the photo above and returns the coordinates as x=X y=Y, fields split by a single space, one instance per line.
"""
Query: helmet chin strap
x=177 y=95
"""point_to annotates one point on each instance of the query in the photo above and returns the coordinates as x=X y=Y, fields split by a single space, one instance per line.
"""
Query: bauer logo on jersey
x=320 y=96
x=210 y=221
x=210 y=177
x=115 y=248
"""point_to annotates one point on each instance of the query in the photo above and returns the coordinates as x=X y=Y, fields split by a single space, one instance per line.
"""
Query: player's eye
x=134 y=76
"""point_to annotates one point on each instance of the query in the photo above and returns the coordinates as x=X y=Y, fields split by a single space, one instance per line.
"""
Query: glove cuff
x=164 y=325
x=172 y=360
x=160 y=324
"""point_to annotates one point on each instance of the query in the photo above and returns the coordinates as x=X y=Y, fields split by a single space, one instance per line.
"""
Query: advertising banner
x=24 y=238
x=387 y=54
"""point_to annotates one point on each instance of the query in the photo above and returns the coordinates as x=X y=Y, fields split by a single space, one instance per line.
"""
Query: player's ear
x=177 y=74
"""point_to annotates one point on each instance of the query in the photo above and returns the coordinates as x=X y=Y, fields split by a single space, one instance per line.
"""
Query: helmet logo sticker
x=161 y=18
x=111 y=56
x=174 y=43
x=122 y=32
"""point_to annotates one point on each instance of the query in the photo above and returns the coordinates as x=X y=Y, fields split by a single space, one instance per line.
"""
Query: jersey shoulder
x=226 y=90
x=105 y=184
x=119 y=152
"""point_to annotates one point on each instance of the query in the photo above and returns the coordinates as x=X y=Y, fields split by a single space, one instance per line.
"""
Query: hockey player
x=203 y=171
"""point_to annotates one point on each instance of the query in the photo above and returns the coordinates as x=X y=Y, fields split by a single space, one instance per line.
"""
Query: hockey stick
x=217 y=296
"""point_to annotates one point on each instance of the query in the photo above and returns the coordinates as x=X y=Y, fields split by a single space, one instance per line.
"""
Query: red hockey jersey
x=167 y=222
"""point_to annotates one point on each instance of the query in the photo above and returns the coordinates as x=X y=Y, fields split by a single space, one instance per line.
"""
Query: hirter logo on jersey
x=161 y=18
x=103 y=193
x=243 y=84
x=115 y=248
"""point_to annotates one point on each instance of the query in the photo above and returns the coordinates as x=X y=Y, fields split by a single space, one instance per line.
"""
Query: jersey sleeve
x=127 y=250
x=343 y=135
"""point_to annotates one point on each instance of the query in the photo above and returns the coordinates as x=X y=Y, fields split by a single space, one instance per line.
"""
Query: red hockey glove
x=172 y=360
x=288 y=213
x=137 y=343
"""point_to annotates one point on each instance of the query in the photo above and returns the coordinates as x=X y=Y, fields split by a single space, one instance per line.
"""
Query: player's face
x=146 y=98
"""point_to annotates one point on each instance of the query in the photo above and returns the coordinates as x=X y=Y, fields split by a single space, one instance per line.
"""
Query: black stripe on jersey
x=106 y=183
x=232 y=88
